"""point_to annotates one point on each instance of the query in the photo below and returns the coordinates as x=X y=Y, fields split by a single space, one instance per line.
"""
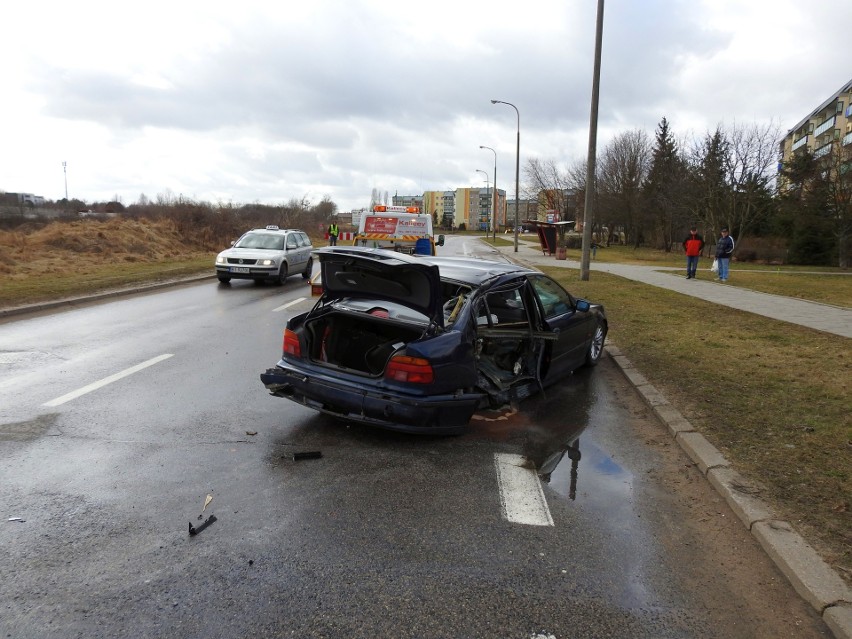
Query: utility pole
x=588 y=214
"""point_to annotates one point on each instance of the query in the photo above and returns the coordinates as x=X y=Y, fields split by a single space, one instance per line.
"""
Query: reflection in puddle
x=567 y=437
x=602 y=477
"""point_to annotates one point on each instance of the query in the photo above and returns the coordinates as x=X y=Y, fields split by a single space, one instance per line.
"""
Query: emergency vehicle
x=397 y=228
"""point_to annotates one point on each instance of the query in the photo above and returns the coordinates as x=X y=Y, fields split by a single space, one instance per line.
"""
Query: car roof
x=474 y=271
x=269 y=229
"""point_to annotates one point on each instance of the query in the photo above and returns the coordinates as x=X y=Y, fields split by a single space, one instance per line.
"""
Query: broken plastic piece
x=16 y=519
x=313 y=454
x=194 y=531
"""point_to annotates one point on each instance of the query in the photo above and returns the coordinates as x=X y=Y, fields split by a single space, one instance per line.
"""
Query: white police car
x=266 y=254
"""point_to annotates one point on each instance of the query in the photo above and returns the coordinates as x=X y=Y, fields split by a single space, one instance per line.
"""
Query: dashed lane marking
x=289 y=304
x=521 y=496
x=107 y=380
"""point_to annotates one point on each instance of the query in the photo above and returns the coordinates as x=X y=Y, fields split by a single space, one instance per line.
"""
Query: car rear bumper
x=436 y=414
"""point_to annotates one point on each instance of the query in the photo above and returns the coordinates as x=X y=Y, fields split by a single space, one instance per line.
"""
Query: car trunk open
x=356 y=341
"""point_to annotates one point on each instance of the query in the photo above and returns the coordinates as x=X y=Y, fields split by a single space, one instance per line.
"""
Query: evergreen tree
x=805 y=214
x=664 y=188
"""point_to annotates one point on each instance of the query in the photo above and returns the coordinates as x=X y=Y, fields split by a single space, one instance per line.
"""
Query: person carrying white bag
x=724 y=250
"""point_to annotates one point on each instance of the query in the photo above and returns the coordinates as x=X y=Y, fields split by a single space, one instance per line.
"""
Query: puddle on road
x=573 y=438
x=556 y=433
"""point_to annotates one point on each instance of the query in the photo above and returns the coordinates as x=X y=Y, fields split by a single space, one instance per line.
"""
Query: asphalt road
x=118 y=419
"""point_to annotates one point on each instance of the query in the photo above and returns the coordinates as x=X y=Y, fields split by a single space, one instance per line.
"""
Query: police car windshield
x=261 y=241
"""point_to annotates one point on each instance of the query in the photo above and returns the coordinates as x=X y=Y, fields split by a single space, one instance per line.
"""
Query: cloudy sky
x=260 y=101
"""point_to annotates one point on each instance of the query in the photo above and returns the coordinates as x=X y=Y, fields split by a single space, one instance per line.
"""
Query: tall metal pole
x=65 y=174
x=517 y=167
x=588 y=217
x=496 y=197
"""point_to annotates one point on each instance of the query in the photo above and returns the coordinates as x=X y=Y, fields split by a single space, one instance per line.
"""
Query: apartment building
x=408 y=200
x=469 y=206
x=827 y=127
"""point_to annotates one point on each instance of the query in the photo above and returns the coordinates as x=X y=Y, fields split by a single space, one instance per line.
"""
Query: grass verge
x=772 y=396
x=81 y=279
x=827 y=288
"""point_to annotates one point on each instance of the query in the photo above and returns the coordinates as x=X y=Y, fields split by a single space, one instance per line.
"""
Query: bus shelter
x=550 y=234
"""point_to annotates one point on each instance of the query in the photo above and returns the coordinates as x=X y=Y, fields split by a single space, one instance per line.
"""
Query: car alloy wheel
x=596 y=347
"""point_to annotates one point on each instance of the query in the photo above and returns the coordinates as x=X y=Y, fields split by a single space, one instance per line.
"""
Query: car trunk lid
x=376 y=274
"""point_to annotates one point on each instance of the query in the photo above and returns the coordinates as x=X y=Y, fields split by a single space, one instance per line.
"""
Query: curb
x=96 y=297
x=811 y=577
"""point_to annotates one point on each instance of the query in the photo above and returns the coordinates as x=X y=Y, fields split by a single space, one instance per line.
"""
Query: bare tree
x=545 y=181
x=750 y=169
x=839 y=178
x=622 y=171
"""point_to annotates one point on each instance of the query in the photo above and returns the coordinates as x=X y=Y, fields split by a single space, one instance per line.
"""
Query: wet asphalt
x=383 y=535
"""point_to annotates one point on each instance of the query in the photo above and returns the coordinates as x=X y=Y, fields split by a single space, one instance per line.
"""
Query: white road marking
x=289 y=304
x=107 y=380
x=521 y=496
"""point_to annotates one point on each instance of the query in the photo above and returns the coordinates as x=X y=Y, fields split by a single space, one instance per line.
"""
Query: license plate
x=240 y=269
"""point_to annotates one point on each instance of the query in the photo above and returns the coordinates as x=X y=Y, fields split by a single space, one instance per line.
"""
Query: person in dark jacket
x=692 y=246
x=724 y=250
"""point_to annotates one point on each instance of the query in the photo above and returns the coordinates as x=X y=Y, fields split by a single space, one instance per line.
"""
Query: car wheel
x=307 y=272
x=224 y=280
x=282 y=274
x=593 y=355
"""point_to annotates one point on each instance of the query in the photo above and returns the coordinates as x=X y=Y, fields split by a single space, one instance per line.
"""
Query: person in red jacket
x=692 y=245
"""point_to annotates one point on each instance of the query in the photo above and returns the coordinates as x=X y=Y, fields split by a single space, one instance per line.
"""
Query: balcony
x=825 y=126
x=847 y=139
x=802 y=141
x=823 y=150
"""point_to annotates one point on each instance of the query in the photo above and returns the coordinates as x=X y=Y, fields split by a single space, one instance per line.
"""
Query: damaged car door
x=512 y=346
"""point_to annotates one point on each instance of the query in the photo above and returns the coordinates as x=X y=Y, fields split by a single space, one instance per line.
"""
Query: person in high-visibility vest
x=333 y=232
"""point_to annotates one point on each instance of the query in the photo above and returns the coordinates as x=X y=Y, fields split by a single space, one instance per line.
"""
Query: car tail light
x=291 y=343
x=414 y=370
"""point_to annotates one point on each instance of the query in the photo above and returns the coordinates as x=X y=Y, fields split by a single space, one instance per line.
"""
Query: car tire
x=307 y=272
x=224 y=280
x=593 y=355
x=283 y=274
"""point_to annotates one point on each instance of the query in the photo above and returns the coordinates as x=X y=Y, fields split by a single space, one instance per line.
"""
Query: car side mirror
x=583 y=306
x=440 y=240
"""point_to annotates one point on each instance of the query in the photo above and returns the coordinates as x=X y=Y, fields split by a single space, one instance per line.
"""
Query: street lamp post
x=65 y=174
x=496 y=197
x=487 y=190
x=517 y=166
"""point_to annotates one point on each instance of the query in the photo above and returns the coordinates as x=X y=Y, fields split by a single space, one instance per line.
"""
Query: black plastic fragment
x=312 y=454
x=194 y=531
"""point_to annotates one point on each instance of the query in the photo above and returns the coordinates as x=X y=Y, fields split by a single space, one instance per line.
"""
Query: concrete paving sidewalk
x=812 y=577
x=821 y=317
